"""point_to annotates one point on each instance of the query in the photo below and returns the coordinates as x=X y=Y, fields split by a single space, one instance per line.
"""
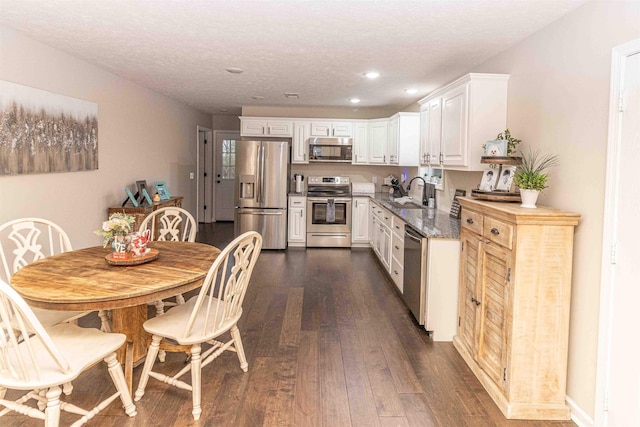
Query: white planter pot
x=529 y=198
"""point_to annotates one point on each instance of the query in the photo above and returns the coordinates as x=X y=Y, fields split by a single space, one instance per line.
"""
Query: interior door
x=225 y=165
x=619 y=352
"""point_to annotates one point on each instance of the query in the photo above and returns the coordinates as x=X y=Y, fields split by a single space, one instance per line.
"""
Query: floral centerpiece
x=115 y=230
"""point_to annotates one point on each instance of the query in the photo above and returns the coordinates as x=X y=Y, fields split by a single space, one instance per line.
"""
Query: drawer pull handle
x=396 y=246
x=475 y=301
x=396 y=273
x=470 y=220
x=495 y=231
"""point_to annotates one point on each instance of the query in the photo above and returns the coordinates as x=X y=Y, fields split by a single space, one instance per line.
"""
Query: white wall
x=141 y=135
x=558 y=102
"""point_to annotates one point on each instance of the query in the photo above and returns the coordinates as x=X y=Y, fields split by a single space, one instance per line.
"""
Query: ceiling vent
x=291 y=95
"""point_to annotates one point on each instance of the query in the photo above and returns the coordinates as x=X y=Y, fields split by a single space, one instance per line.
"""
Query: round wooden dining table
x=84 y=280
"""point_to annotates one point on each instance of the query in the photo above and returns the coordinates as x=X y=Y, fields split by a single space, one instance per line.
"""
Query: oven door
x=328 y=223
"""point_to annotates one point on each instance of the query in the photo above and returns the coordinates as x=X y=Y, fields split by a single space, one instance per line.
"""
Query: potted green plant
x=531 y=175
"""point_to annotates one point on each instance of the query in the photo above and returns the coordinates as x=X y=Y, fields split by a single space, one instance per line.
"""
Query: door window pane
x=228 y=159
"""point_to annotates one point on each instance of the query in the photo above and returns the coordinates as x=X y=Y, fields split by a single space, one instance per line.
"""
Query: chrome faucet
x=425 y=200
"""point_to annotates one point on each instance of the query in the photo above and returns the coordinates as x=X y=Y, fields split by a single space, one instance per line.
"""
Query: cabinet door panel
x=454 y=127
x=434 y=132
x=492 y=333
x=468 y=282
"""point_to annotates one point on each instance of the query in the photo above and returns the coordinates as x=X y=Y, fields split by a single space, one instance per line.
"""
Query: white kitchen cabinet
x=360 y=143
x=430 y=129
x=297 y=230
x=459 y=118
x=360 y=220
x=299 y=144
x=396 y=269
x=335 y=129
x=404 y=139
x=265 y=127
x=381 y=232
x=378 y=135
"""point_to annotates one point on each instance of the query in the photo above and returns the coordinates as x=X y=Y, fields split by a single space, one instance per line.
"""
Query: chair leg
x=180 y=299
x=159 y=307
x=105 y=325
x=152 y=353
x=52 y=413
x=196 y=380
x=237 y=343
x=115 y=370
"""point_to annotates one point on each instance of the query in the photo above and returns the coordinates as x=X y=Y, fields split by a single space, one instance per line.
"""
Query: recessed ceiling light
x=372 y=75
x=411 y=91
x=234 y=70
x=258 y=97
x=291 y=95
x=354 y=100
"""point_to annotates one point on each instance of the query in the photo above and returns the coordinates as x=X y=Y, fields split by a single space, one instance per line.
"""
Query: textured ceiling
x=319 y=49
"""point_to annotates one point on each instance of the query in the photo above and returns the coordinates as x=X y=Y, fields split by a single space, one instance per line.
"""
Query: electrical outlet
x=192 y=175
x=452 y=194
x=374 y=179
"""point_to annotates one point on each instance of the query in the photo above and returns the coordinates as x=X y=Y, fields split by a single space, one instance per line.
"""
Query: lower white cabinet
x=381 y=234
x=396 y=269
x=360 y=220
x=297 y=230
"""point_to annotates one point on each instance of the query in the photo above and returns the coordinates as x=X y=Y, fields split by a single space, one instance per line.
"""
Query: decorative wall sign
x=456 y=209
x=43 y=132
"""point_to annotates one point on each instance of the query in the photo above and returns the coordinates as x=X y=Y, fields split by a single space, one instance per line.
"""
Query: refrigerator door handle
x=261 y=198
x=259 y=174
x=246 y=212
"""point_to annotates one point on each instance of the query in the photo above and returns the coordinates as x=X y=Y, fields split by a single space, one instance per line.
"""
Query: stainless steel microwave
x=330 y=150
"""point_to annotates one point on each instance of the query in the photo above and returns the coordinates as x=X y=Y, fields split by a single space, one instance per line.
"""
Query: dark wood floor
x=329 y=343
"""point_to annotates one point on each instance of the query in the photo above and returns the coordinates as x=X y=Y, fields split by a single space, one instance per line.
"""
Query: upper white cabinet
x=299 y=144
x=265 y=127
x=360 y=143
x=430 y=129
x=378 y=135
x=458 y=119
x=337 y=129
x=404 y=138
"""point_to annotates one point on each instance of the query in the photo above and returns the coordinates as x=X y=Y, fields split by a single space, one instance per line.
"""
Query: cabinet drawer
x=398 y=227
x=386 y=217
x=297 y=202
x=397 y=273
x=498 y=232
x=397 y=250
x=472 y=220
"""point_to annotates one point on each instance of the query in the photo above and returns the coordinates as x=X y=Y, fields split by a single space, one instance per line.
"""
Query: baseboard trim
x=578 y=416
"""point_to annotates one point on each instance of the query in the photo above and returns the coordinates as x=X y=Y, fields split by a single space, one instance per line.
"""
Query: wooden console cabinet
x=141 y=212
x=513 y=304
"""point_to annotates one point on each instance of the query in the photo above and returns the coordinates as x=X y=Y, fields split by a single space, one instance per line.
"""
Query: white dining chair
x=170 y=224
x=203 y=319
x=39 y=360
x=26 y=240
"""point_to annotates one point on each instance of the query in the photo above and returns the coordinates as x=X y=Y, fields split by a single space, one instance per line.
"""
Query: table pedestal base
x=129 y=321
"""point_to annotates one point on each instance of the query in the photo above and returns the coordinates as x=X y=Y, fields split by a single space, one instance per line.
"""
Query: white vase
x=529 y=198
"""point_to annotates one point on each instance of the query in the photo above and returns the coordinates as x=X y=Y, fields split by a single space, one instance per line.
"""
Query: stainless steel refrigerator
x=262 y=179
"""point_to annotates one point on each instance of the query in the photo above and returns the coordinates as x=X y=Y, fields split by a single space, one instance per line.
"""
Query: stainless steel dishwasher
x=415 y=272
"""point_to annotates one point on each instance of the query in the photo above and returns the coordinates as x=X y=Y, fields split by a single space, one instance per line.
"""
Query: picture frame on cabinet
x=489 y=180
x=496 y=148
x=506 y=178
x=161 y=189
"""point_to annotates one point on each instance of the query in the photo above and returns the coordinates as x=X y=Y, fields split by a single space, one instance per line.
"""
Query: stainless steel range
x=329 y=211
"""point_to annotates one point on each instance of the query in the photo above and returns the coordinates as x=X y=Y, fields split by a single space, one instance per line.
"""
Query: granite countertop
x=432 y=223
